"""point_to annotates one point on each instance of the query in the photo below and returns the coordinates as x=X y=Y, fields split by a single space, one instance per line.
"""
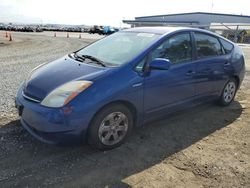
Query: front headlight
x=65 y=93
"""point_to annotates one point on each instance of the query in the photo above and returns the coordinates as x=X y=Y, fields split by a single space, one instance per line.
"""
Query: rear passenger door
x=211 y=62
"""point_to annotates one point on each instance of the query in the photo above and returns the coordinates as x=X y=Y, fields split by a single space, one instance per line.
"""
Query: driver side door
x=165 y=90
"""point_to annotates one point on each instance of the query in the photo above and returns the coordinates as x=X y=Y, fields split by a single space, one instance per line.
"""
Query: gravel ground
x=206 y=146
x=27 y=51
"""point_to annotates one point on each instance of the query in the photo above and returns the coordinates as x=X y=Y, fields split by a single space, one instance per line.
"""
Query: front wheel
x=110 y=127
x=228 y=92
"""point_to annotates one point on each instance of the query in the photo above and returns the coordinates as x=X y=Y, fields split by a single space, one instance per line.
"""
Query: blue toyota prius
x=100 y=92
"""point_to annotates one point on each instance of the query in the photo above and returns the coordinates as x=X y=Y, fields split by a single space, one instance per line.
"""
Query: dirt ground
x=206 y=146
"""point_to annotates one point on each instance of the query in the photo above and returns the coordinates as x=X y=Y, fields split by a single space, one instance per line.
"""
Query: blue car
x=99 y=93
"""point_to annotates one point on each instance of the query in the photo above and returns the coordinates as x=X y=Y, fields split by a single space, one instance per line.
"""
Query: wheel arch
x=237 y=80
x=126 y=103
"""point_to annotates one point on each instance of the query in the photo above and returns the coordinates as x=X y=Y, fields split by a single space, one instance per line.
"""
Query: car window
x=207 y=45
x=177 y=49
x=140 y=65
x=227 y=46
x=119 y=48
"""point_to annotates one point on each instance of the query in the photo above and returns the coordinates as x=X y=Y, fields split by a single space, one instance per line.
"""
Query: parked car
x=107 y=30
x=2 y=27
x=96 y=30
x=100 y=92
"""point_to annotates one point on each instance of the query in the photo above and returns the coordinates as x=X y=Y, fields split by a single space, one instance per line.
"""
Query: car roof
x=164 y=30
x=167 y=30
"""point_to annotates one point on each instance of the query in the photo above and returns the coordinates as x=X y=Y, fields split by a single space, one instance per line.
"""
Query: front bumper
x=52 y=125
x=64 y=137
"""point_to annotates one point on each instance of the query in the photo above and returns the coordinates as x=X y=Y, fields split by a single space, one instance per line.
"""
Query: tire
x=228 y=92
x=110 y=127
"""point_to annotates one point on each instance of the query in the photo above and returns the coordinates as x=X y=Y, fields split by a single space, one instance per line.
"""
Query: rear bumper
x=242 y=75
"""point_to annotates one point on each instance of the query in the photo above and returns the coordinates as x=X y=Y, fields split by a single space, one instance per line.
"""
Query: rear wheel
x=110 y=127
x=228 y=92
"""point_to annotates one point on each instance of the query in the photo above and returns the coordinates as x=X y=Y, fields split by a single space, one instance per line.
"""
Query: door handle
x=190 y=73
x=227 y=64
x=137 y=84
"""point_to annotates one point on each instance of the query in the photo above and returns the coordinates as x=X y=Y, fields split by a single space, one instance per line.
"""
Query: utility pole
x=236 y=34
x=212 y=6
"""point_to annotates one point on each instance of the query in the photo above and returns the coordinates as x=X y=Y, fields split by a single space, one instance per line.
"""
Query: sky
x=108 y=12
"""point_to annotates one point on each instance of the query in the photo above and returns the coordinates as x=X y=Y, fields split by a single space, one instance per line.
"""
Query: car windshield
x=119 y=48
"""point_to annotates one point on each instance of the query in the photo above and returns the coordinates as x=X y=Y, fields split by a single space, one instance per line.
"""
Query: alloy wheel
x=113 y=128
x=229 y=91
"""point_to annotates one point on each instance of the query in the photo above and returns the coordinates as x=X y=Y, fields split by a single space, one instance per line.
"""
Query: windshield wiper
x=96 y=60
x=79 y=58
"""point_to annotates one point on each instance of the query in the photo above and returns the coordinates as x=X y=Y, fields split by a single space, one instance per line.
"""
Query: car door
x=211 y=65
x=175 y=86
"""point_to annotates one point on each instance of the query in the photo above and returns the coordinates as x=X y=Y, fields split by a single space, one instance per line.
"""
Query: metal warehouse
x=234 y=27
x=202 y=19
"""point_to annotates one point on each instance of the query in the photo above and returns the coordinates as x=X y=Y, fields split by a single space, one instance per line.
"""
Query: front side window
x=140 y=66
x=177 y=49
x=207 y=45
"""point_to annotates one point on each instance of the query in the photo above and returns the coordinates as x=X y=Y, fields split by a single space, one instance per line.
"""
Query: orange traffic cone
x=55 y=34
x=10 y=39
x=67 y=35
x=80 y=36
x=6 y=34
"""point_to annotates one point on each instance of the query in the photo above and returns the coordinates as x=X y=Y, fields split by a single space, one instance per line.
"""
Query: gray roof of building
x=206 y=13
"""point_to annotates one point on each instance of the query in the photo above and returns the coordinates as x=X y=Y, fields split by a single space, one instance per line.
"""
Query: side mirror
x=160 y=64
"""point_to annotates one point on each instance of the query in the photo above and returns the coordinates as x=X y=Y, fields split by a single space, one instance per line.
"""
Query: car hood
x=51 y=75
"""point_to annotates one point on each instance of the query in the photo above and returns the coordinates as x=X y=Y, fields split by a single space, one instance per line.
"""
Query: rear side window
x=207 y=45
x=227 y=46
